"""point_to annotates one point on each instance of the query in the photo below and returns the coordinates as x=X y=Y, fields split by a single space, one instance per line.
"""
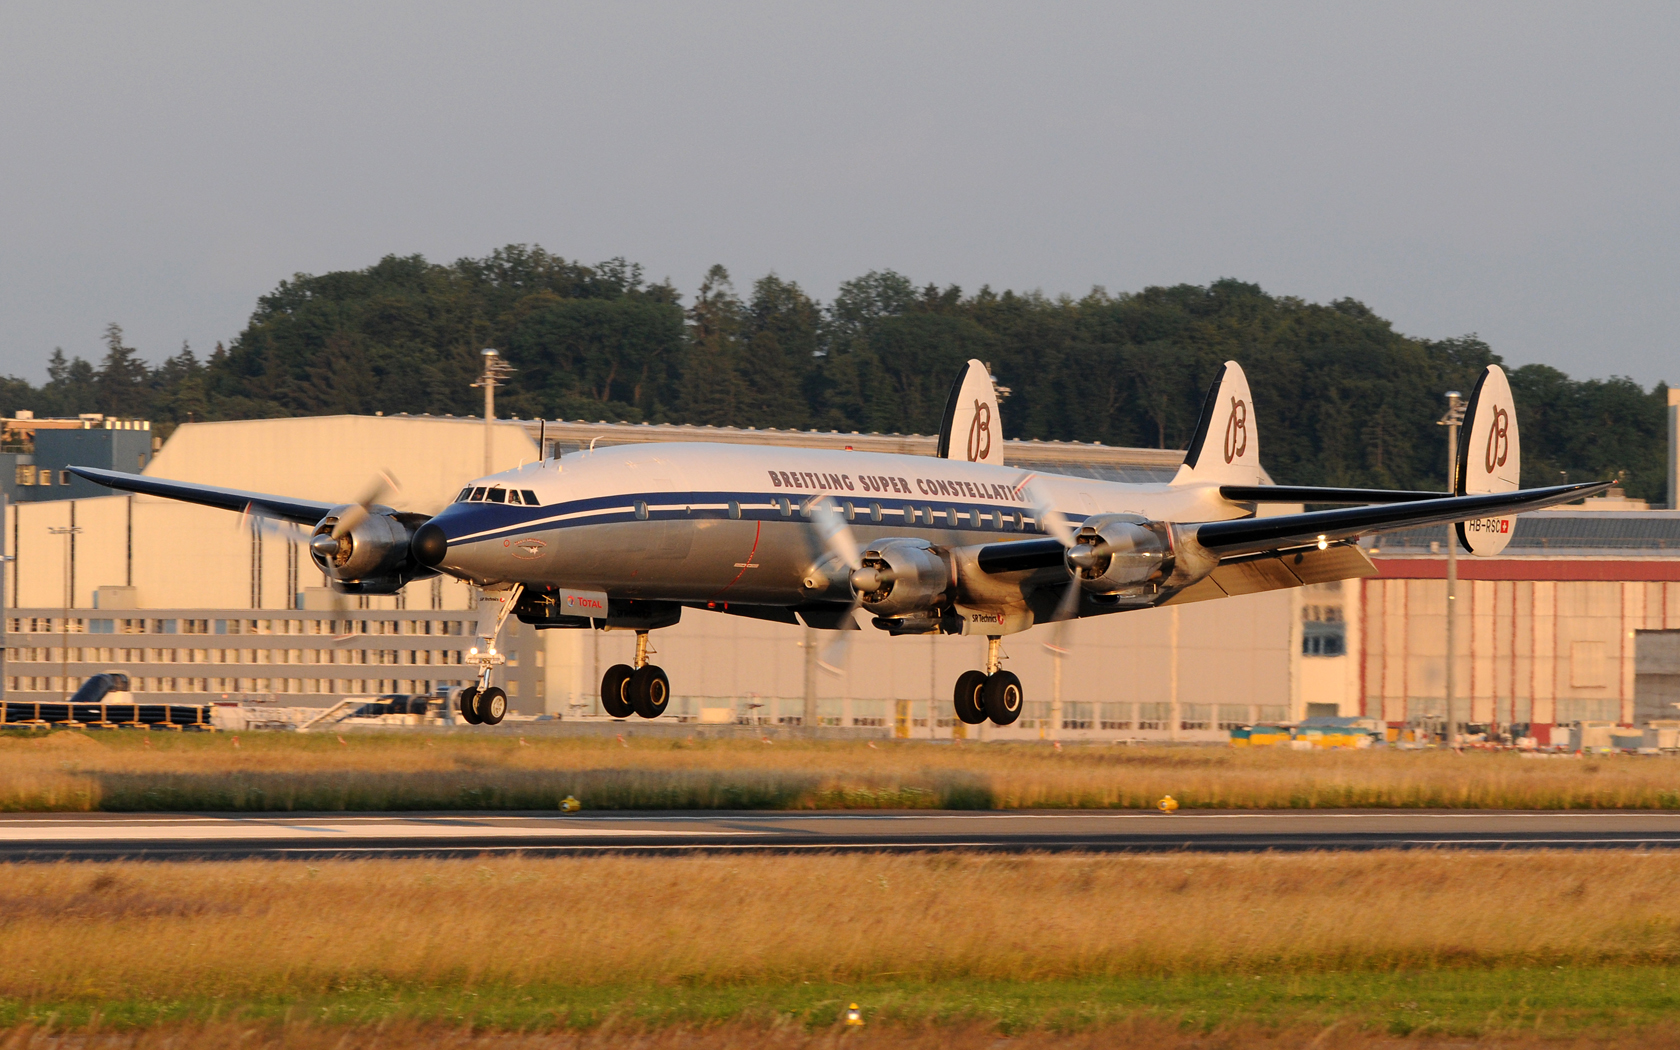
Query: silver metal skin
x=732 y=523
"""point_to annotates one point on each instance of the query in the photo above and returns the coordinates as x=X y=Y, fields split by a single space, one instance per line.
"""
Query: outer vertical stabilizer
x=972 y=429
x=1489 y=459
x=1226 y=447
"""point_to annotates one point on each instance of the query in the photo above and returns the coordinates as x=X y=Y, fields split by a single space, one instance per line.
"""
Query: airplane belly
x=678 y=560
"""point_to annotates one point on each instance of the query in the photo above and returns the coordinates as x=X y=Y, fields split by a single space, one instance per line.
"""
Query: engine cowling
x=372 y=558
x=1119 y=555
x=899 y=577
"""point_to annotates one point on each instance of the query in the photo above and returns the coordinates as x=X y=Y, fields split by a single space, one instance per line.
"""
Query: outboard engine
x=374 y=556
x=1119 y=554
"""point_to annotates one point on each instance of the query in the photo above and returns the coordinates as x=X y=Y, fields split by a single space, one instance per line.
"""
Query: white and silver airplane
x=626 y=537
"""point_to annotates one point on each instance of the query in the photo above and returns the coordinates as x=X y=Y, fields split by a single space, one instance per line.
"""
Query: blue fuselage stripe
x=474 y=522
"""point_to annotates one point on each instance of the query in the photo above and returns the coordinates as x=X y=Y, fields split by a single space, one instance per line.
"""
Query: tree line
x=1341 y=398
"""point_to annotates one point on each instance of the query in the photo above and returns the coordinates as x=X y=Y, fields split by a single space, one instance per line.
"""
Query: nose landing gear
x=991 y=693
x=482 y=703
x=643 y=689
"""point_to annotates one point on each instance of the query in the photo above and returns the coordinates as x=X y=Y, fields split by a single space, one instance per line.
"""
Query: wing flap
x=303 y=512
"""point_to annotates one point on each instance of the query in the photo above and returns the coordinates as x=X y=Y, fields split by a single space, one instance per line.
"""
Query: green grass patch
x=1501 y=1001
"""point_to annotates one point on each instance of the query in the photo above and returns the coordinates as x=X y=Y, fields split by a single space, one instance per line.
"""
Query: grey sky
x=1507 y=169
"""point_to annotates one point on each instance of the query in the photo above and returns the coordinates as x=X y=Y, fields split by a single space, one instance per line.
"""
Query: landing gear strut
x=643 y=689
x=991 y=693
x=482 y=703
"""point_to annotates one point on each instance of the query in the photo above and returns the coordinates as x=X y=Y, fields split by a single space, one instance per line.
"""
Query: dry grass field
x=75 y=770
x=1411 y=943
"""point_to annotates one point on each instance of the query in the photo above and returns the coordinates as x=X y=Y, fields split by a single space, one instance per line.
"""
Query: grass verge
x=1398 y=943
x=77 y=771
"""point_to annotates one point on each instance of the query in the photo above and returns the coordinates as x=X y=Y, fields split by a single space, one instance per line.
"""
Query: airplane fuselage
x=731 y=523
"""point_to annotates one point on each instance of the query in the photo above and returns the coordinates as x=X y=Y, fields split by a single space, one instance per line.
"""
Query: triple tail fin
x=1226 y=447
x=1489 y=459
x=972 y=429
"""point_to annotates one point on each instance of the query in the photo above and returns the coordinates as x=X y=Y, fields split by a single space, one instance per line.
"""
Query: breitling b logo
x=1499 y=440
x=1236 y=430
x=980 y=432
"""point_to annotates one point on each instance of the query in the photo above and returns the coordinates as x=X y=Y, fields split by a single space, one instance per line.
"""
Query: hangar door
x=1656 y=675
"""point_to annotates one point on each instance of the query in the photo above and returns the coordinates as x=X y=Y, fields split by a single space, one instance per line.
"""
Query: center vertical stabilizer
x=972 y=430
x=1225 y=449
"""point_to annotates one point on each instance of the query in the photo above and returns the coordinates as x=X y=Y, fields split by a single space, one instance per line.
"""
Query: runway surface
x=181 y=836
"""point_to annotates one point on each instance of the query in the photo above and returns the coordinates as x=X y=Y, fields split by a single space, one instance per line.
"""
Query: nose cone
x=429 y=545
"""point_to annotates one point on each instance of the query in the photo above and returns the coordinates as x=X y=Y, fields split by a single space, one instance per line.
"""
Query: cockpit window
x=464 y=494
x=531 y=499
x=477 y=494
x=496 y=494
x=513 y=497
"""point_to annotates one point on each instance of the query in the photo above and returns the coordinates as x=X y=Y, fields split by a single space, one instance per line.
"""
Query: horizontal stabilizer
x=303 y=512
x=1319 y=494
x=1252 y=535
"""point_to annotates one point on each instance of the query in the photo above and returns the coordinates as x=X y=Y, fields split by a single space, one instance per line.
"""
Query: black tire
x=649 y=691
x=467 y=704
x=967 y=697
x=1002 y=697
x=492 y=705
x=615 y=698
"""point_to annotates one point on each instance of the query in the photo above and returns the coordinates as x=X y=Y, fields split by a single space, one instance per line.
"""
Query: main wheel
x=467 y=704
x=969 y=707
x=615 y=696
x=649 y=691
x=1001 y=696
x=492 y=705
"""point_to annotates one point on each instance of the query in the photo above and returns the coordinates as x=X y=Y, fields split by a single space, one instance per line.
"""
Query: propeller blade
x=381 y=483
x=832 y=659
x=253 y=518
x=1048 y=517
x=830 y=522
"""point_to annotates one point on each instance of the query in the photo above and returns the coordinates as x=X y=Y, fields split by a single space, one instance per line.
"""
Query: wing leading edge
x=303 y=512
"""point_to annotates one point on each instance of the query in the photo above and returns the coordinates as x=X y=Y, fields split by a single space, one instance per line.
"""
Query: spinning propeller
x=381 y=484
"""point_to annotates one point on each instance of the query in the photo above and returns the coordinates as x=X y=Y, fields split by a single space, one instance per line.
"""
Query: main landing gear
x=642 y=690
x=991 y=693
x=482 y=703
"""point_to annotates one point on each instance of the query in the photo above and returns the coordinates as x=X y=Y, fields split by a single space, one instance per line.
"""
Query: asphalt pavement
x=51 y=837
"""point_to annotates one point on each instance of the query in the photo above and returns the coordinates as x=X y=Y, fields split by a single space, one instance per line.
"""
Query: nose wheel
x=640 y=690
x=989 y=694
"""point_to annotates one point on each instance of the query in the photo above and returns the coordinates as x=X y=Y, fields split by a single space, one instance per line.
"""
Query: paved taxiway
x=104 y=836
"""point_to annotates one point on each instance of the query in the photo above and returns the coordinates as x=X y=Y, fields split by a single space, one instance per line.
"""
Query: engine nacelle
x=901 y=576
x=372 y=558
x=1115 y=555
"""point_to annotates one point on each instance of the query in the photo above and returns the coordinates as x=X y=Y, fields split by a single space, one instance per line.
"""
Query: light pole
x=495 y=371
x=1454 y=416
x=68 y=532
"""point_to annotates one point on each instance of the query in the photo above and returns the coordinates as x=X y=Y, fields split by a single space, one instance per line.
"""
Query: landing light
x=1323 y=543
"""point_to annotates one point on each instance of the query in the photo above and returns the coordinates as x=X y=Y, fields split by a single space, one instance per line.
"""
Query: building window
x=64 y=477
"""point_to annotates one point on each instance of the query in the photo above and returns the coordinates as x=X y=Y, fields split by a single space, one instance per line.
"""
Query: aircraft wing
x=303 y=512
x=1243 y=536
x=1317 y=494
x=1252 y=535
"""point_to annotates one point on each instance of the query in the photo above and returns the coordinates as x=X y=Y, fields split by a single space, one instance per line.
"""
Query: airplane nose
x=429 y=545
